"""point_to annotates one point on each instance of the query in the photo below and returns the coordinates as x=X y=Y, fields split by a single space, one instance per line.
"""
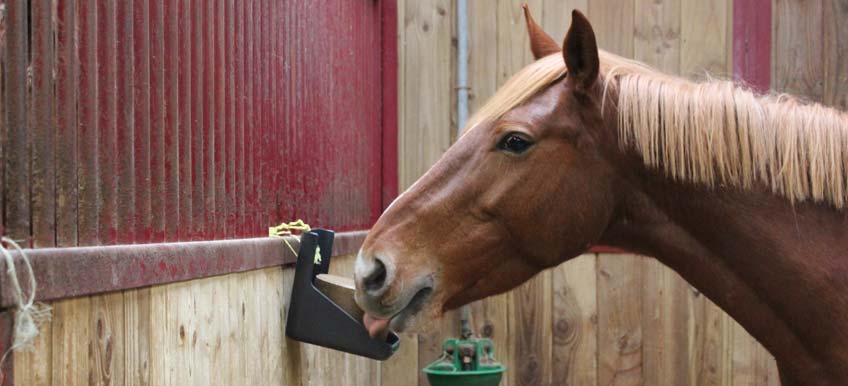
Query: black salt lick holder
x=314 y=318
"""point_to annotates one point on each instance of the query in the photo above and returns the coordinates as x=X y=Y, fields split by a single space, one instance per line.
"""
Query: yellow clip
x=285 y=229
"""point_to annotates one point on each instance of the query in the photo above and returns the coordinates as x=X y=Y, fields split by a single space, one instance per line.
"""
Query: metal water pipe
x=462 y=111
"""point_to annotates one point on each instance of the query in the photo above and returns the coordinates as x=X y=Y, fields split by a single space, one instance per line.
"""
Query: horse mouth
x=415 y=305
x=401 y=319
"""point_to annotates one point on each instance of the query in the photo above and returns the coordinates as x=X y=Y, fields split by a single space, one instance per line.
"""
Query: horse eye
x=514 y=143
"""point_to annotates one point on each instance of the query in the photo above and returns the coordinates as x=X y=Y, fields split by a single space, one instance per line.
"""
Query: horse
x=743 y=194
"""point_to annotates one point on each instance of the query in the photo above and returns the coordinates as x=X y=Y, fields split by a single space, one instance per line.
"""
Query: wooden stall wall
x=610 y=319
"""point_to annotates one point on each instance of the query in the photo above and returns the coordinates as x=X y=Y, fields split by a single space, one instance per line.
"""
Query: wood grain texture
x=426 y=102
x=16 y=166
x=71 y=342
x=835 y=53
x=107 y=340
x=575 y=322
x=556 y=16
x=710 y=343
x=797 y=48
x=43 y=136
x=613 y=22
x=620 y=342
x=705 y=45
x=656 y=39
x=530 y=331
x=137 y=335
x=665 y=325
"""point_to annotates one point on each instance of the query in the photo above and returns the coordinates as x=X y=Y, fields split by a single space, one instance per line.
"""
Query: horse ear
x=580 y=52
x=540 y=43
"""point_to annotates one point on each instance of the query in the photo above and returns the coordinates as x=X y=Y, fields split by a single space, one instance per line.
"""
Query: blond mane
x=712 y=133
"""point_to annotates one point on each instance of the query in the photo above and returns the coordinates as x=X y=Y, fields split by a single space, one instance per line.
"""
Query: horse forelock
x=713 y=133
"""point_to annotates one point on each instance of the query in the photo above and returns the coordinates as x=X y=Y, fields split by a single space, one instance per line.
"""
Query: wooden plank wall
x=225 y=330
x=613 y=319
x=152 y=121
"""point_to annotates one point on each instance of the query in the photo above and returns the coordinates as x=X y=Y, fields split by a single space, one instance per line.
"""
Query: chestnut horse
x=744 y=195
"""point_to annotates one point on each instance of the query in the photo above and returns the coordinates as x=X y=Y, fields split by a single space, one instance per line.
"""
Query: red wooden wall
x=158 y=120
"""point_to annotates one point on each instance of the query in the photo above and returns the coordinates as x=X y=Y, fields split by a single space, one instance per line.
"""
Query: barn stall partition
x=148 y=143
x=613 y=319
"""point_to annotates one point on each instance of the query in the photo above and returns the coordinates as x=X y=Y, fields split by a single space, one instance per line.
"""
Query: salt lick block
x=341 y=291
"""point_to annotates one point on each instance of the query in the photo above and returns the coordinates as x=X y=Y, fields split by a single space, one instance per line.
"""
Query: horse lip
x=413 y=307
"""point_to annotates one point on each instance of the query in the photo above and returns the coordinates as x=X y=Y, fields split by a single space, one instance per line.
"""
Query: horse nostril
x=376 y=279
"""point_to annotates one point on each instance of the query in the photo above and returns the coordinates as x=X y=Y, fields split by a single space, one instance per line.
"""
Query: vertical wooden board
x=17 y=178
x=575 y=322
x=66 y=124
x=124 y=156
x=530 y=331
x=186 y=141
x=232 y=168
x=43 y=134
x=555 y=16
x=752 y=364
x=198 y=128
x=162 y=200
x=162 y=337
x=612 y=21
x=797 y=48
x=425 y=132
x=87 y=124
x=619 y=320
x=292 y=360
x=512 y=39
x=836 y=53
x=483 y=54
x=71 y=342
x=490 y=319
x=106 y=39
x=704 y=46
x=32 y=366
x=665 y=325
x=182 y=329
x=272 y=296
x=402 y=368
x=107 y=340
x=710 y=337
x=221 y=215
x=656 y=38
x=206 y=12
x=249 y=126
x=240 y=166
x=142 y=184
x=137 y=333
x=752 y=43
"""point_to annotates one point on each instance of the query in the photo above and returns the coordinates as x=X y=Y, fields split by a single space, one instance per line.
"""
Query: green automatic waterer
x=465 y=363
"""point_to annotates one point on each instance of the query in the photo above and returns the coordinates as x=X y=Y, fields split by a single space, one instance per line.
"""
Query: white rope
x=30 y=315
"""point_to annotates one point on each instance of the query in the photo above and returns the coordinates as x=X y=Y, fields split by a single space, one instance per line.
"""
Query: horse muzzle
x=389 y=298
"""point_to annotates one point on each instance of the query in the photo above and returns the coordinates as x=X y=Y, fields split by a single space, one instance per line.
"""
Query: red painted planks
x=198 y=129
x=186 y=130
x=163 y=123
x=125 y=124
x=142 y=57
x=752 y=43
x=209 y=185
x=159 y=198
x=221 y=213
x=106 y=101
x=389 y=62
x=233 y=229
x=17 y=205
x=87 y=125
x=249 y=126
x=241 y=166
x=43 y=189
x=66 y=124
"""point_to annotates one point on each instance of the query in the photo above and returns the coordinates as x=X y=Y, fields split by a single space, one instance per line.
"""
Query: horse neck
x=779 y=269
